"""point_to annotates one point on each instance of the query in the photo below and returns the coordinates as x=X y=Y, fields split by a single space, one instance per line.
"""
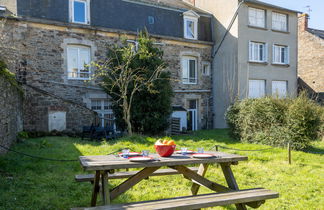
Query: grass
x=27 y=183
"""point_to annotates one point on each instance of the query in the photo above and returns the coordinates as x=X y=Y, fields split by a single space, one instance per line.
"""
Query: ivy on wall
x=9 y=77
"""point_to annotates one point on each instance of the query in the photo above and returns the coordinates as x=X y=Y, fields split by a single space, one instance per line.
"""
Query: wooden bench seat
x=196 y=202
x=127 y=174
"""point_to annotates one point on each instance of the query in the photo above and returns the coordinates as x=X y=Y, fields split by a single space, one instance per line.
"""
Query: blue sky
x=317 y=7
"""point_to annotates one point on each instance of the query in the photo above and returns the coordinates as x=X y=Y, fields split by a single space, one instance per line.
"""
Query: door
x=104 y=109
x=56 y=121
x=192 y=116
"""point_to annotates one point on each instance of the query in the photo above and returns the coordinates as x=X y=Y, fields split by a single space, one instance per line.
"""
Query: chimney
x=192 y=2
x=303 y=22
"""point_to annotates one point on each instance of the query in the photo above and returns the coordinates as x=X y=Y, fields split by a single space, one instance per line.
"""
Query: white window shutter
x=250 y=50
x=287 y=55
x=185 y=66
x=265 y=54
x=273 y=53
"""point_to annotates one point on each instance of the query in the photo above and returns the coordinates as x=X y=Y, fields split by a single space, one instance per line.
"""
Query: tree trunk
x=127 y=116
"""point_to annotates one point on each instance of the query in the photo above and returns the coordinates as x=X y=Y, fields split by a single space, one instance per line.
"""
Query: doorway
x=192 y=116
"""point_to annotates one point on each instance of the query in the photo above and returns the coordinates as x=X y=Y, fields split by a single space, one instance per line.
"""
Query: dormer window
x=80 y=11
x=190 y=23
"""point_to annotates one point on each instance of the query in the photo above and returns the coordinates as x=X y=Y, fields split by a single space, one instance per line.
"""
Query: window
x=78 y=59
x=79 y=10
x=256 y=88
x=279 y=21
x=279 y=88
x=256 y=17
x=104 y=109
x=206 y=68
x=190 y=28
x=190 y=25
x=189 y=70
x=280 y=54
x=258 y=52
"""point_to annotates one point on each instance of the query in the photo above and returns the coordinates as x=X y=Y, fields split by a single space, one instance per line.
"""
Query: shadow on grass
x=314 y=150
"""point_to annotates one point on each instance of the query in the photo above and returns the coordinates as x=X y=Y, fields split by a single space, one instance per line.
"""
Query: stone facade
x=310 y=56
x=11 y=119
x=39 y=49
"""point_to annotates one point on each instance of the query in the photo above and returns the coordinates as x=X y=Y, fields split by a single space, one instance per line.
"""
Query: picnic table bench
x=224 y=196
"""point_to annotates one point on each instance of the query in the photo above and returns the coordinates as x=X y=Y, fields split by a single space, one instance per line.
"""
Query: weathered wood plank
x=201 y=171
x=127 y=174
x=105 y=188
x=199 y=201
x=107 y=162
x=201 y=180
x=231 y=182
x=130 y=182
x=95 y=190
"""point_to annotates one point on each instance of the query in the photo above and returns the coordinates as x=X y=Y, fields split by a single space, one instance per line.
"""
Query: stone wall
x=310 y=56
x=10 y=113
x=37 y=52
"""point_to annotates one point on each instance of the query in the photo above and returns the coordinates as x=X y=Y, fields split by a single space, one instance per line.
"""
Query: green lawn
x=27 y=183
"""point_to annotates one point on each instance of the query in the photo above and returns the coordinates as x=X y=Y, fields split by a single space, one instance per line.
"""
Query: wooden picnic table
x=105 y=164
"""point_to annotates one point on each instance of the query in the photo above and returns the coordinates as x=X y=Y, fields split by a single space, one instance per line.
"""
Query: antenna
x=308 y=9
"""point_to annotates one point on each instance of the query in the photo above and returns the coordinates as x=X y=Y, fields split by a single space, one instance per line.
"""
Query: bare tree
x=119 y=78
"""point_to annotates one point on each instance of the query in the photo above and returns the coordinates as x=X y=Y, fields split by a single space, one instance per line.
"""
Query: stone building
x=46 y=44
x=310 y=59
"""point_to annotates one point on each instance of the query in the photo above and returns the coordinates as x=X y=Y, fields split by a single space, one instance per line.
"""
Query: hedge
x=275 y=122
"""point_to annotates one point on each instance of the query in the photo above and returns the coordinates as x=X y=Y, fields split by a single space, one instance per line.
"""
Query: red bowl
x=165 y=150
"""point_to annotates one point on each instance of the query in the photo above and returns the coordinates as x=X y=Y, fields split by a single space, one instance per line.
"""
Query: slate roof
x=316 y=32
x=270 y=5
x=174 y=4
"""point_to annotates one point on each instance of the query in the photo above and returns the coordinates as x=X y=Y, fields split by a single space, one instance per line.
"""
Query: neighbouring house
x=46 y=44
x=310 y=59
x=258 y=57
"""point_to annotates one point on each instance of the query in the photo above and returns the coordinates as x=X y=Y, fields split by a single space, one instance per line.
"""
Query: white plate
x=188 y=152
x=131 y=154
x=203 y=155
x=140 y=159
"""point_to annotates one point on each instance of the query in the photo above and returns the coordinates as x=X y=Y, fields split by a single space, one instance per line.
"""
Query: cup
x=145 y=153
x=200 y=150
x=125 y=153
x=184 y=150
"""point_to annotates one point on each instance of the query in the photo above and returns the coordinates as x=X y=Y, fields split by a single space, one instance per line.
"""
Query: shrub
x=276 y=122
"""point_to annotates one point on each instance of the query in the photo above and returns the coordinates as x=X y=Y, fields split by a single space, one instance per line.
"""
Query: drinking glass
x=145 y=153
x=184 y=150
x=200 y=150
x=125 y=153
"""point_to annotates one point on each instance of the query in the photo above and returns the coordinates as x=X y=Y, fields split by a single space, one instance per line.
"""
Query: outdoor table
x=105 y=164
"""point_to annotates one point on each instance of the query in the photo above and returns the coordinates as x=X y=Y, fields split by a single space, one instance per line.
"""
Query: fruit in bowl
x=165 y=148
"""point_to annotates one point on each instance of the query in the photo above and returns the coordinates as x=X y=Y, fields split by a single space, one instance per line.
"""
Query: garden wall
x=10 y=113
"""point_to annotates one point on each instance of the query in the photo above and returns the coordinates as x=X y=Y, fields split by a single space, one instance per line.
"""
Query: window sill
x=259 y=62
x=280 y=64
x=70 y=78
x=80 y=23
x=284 y=32
x=189 y=83
x=190 y=38
x=258 y=27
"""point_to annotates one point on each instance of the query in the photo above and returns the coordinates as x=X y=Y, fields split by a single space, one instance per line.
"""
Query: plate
x=188 y=152
x=131 y=154
x=140 y=159
x=203 y=155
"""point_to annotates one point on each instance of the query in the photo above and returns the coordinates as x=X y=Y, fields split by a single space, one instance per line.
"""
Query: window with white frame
x=80 y=11
x=279 y=21
x=258 y=52
x=104 y=109
x=206 y=68
x=279 y=88
x=78 y=60
x=189 y=70
x=257 y=17
x=280 y=54
x=256 y=88
x=190 y=28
